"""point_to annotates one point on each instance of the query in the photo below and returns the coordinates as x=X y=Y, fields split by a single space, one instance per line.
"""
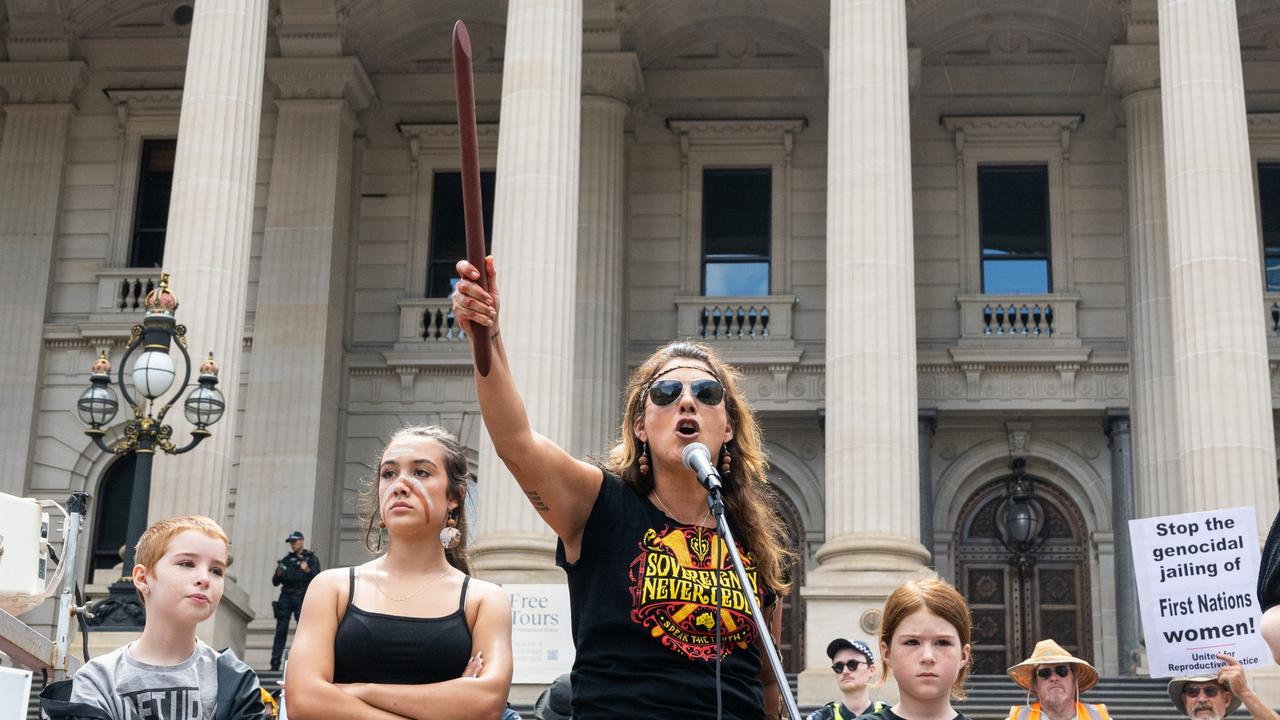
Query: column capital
x=1131 y=68
x=1116 y=422
x=331 y=78
x=612 y=74
x=43 y=82
x=309 y=28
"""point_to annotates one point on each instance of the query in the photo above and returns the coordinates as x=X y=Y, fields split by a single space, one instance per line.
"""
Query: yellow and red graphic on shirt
x=678 y=579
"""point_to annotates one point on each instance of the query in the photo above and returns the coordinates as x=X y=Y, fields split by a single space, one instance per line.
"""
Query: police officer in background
x=294 y=572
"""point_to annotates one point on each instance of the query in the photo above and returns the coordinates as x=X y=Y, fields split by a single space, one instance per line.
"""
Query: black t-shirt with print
x=887 y=714
x=643 y=594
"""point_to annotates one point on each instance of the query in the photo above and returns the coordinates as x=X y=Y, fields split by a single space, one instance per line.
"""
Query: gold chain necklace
x=378 y=586
x=671 y=515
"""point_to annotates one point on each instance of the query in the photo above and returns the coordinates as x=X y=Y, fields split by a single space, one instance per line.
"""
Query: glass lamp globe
x=153 y=373
x=1022 y=522
x=204 y=405
x=97 y=405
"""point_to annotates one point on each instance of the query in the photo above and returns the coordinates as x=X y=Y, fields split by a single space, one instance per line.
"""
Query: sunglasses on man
x=707 y=392
x=1059 y=670
x=1210 y=691
x=839 y=667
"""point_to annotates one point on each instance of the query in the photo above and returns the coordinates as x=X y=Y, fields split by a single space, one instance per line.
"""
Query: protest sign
x=15 y=692
x=1197 y=574
x=541 y=633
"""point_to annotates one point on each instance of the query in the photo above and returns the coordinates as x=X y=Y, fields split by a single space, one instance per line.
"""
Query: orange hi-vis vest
x=1083 y=712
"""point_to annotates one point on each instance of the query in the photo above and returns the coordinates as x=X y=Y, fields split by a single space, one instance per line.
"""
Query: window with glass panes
x=1269 y=209
x=151 y=209
x=1013 y=222
x=448 y=240
x=736 y=231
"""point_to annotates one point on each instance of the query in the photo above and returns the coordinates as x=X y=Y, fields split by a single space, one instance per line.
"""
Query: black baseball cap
x=839 y=644
x=295 y=535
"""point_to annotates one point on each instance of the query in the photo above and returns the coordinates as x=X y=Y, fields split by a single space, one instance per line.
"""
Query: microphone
x=697 y=458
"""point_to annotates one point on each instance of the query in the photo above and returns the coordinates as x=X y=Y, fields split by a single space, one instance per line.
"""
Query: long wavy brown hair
x=749 y=501
x=458 y=473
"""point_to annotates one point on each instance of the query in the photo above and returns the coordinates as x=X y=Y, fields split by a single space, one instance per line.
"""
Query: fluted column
x=32 y=162
x=1133 y=71
x=1223 y=391
x=871 y=475
x=535 y=231
x=608 y=80
x=1128 y=635
x=291 y=410
x=210 y=226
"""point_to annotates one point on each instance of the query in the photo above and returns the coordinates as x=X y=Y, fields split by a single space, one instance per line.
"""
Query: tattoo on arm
x=538 y=503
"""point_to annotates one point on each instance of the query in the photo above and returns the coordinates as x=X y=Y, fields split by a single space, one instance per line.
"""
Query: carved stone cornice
x=314 y=78
x=1264 y=125
x=145 y=102
x=310 y=28
x=43 y=82
x=612 y=74
x=1131 y=68
x=737 y=132
x=443 y=137
x=1012 y=130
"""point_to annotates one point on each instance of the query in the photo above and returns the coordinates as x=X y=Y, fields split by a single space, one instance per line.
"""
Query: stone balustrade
x=759 y=319
x=1038 y=320
x=122 y=290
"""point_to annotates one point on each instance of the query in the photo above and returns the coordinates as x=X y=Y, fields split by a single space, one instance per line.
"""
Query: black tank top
x=379 y=648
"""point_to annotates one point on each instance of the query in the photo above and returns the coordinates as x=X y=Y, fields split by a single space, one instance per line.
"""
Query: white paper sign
x=541 y=632
x=1197 y=577
x=15 y=692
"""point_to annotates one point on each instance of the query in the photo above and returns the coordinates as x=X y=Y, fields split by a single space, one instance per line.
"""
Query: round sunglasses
x=839 y=667
x=707 y=392
x=1059 y=670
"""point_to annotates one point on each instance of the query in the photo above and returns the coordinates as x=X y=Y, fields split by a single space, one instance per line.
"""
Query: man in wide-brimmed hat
x=1057 y=678
x=1214 y=697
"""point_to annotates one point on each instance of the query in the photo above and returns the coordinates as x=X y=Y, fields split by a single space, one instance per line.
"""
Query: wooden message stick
x=472 y=201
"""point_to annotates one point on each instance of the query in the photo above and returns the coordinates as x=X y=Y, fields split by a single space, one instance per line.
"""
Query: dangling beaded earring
x=726 y=460
x=643 y=460
x=449 y=534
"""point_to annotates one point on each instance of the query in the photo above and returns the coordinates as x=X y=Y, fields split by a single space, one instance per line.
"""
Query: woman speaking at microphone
x=648 y=574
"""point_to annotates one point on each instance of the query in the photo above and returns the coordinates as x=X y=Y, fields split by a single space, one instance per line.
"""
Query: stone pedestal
x=535 y=233
x=210 y=227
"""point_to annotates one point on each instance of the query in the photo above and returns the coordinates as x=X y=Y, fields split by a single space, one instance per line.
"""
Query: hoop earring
x=450 y=536
x=726 y=460
x=643 y=460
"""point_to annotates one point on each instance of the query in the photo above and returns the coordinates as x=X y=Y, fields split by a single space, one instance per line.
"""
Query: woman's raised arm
x=561 y=488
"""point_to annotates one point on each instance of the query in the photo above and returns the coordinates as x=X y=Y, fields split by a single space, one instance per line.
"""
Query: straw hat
x=1048 y=652
x=1176 y=685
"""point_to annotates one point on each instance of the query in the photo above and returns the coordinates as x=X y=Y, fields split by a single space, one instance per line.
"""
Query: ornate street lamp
x=1021 y=521
x=152 y=376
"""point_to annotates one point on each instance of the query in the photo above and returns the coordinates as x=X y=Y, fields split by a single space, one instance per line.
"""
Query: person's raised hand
x=471 y=304
x=1231 y=675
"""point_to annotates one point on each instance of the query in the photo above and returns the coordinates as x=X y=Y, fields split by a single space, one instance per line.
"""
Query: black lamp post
x=153 y=373
x=1021 y=521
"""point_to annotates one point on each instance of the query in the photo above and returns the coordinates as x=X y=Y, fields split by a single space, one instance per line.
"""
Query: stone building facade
x=1128 y=354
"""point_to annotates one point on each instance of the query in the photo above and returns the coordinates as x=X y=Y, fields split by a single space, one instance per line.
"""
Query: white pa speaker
x=24 y=546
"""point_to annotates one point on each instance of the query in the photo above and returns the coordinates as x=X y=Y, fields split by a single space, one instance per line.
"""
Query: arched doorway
x=791 y=647
x=1012 y=611
x=110 y=516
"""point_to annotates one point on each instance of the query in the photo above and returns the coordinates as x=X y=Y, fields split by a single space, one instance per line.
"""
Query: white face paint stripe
x=415 y=486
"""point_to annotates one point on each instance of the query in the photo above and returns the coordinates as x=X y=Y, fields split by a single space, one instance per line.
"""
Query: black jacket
x=289 y=571
x=239 y=696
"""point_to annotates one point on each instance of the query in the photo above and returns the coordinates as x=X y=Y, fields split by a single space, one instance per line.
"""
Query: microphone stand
x=716 y=503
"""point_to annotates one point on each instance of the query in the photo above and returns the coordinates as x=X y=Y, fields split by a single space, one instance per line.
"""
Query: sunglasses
x=1210 y=691
x=707 y=392
x=852 y=665
x=1059 y=670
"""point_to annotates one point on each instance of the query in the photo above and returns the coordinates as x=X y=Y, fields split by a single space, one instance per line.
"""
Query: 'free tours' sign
x=1197 y=574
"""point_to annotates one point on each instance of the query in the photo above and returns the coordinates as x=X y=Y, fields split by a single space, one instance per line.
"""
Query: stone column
x=1133 y=71
x=32 y=161
x=871 y=476
x=926 y=424
x=1128 y=629
x=289 y=448
x=210 y=227
x=535 y=233
x=1222 y=384
x=608 y=80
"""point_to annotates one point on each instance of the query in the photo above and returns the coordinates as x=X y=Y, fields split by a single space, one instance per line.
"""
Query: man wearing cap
x=1203 y=697
x=294 y=573
x=1057 y=678
x=852 y=662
